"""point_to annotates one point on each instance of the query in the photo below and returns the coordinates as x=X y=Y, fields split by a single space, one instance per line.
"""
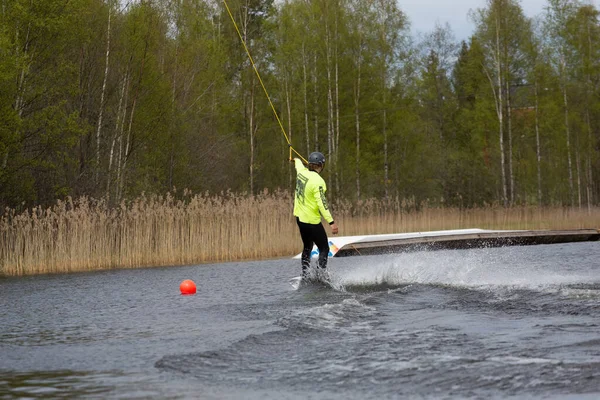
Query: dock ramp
x=343 y=246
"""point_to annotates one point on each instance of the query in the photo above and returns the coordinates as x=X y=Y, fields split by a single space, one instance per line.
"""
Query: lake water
x=487 y=323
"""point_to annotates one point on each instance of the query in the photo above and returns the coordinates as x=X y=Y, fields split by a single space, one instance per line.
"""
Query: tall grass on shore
x=84 y=234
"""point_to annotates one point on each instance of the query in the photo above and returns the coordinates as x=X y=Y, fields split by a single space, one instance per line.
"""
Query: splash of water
x=497 y=268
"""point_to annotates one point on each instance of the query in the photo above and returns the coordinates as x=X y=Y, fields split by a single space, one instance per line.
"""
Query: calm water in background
x=488 y=323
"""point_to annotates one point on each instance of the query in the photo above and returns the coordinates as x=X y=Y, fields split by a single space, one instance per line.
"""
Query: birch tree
x=583 y=32
x=557 y=15
x=503 y=31
x=391 y=26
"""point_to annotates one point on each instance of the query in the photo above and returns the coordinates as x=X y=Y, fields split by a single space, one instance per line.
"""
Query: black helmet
x=316 y=158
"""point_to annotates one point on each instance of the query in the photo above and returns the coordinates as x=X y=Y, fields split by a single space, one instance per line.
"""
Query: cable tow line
x=263 y=85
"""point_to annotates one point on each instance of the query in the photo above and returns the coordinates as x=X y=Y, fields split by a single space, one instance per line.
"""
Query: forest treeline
x=111 y=99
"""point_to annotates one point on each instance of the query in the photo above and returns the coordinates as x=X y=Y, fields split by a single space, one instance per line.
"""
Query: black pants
x=313 y=234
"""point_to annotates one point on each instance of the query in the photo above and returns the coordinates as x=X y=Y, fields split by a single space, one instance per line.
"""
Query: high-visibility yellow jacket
x=310 y=196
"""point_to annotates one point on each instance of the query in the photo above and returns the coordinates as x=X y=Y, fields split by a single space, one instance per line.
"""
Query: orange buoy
x=187 y=287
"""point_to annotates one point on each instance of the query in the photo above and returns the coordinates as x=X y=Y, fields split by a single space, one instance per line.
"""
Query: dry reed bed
x=85 y=234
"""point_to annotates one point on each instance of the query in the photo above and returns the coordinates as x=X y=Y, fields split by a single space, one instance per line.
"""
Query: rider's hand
x=334 y=228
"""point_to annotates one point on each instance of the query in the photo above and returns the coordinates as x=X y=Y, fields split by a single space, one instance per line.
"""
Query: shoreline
x=83 y=235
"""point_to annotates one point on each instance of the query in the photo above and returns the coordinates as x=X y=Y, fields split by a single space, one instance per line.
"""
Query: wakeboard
x=297 y=283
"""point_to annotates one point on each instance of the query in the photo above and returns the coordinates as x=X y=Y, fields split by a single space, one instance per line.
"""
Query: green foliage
x=106 y=99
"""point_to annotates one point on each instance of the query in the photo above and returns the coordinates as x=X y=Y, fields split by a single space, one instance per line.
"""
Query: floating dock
x=344 y=246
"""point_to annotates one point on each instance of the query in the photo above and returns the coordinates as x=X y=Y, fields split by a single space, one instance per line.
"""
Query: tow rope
x=292 y=150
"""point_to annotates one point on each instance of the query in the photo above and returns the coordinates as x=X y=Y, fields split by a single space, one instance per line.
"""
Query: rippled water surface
x=488 y=323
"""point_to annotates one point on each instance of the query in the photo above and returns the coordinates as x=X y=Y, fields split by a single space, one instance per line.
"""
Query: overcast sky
x=423 y=14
